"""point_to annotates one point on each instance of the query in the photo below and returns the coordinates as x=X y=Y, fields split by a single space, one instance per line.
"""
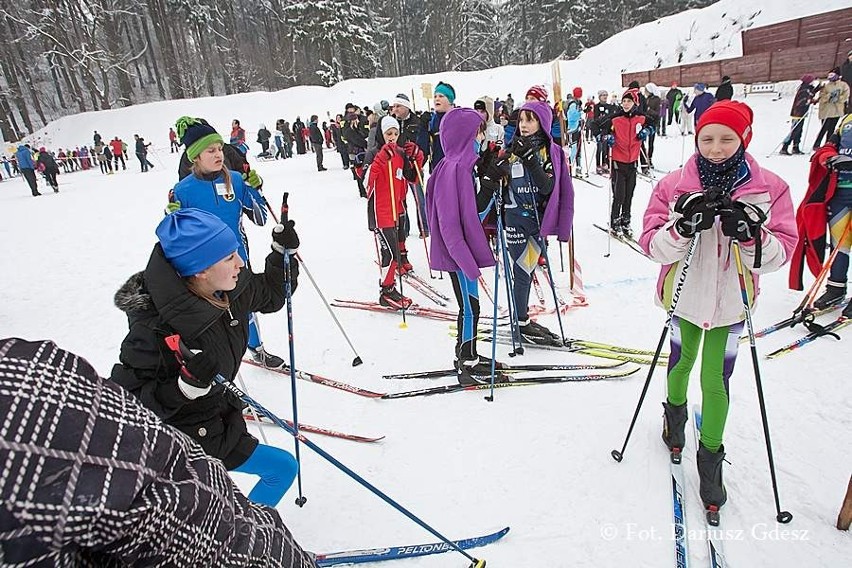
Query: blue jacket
x=436 y=151
x=25 y=158
x=193 y=191
x=573 y=116
x=700 y=104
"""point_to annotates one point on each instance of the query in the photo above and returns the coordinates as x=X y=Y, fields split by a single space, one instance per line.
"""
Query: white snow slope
x=537 y=459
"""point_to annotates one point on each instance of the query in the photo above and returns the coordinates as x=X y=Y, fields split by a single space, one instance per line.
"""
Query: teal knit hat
x=196 y=135
x=447 y=90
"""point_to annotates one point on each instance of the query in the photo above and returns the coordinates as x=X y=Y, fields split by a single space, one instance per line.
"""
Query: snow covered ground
x=537 y=459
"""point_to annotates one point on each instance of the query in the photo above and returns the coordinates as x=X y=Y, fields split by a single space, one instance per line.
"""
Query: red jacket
x=115 y=146
x=625 y=128
x=812 y=218
x=379 y=188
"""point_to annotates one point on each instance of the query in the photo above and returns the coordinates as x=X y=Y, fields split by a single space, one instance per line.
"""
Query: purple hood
x=558 y=218
x=458 y=239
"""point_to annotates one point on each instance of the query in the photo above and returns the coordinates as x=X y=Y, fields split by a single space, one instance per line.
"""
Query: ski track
x=537 y=458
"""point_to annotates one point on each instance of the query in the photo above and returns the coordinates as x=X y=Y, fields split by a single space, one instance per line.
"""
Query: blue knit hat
x=196 y=135
x=193 y=240
x=447 y=90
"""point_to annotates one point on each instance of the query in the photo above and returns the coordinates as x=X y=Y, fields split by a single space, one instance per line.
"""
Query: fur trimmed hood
x=133 y=296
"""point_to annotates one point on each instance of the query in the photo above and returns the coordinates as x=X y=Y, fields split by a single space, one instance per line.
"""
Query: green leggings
x=717 y=363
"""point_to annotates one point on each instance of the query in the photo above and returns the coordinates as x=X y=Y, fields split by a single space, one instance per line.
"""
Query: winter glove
x=252 y=178
x=643 y=134
x=698 y=214
x=609 y=140
x=741 y=221
x=197 y=373
x=523 y=148
x=413 y=152
x=172 y=206
x=839 y=163
x=389 y=149
x=284 y=238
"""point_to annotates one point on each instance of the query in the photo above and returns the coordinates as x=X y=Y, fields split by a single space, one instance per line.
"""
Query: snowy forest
x=62 y=57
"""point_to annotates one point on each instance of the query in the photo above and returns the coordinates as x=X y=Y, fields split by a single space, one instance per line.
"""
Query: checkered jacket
x=89 y=477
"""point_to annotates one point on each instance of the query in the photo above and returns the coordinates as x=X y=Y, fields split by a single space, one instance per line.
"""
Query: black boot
x=796 y=149
x=784 y=151
x=260 y=356
x=847 y=311
x=472 y=369
x=712 y=489
x=673 y=426
x=533 y=332
x=832 y=295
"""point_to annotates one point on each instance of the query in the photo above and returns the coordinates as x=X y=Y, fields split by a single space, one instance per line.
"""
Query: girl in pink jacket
x=723 y=194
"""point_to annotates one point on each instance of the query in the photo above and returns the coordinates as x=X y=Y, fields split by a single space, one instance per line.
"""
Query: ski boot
x=477 y=371
x=784 y=151
x=796 y=150
x=391 y=298
x=625 y=228
x=260 y=356
x=832 y=295
x=674 y=421
x=404 y=265
x=533 y=332
x=711 y=488
x=847 y=311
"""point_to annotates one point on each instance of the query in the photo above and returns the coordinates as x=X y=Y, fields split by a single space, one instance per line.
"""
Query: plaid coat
x=92 y=478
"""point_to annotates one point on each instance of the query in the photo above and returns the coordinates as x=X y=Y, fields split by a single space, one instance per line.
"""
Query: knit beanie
x=700 y=87
x=402 y=100
x=735 y=115
x=447 y=90
x=538 y=92
x=389 y=122
x=196 y=135
x=193 y=240
x=808 y=78
x=577 y=92
x=631 y=94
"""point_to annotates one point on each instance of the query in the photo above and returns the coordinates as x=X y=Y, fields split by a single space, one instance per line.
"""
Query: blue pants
x=839 y=215
x=277 y=470
x=254 y=332
x=467 y=297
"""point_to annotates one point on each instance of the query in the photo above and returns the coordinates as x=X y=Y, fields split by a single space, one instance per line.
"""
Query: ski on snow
x=806 y=315
x=409 y=551
x=505 y=368
x=577 y=348
x=510 y=381
x=318 y=379
x=681 y=546
x=829 y=329
x=712 y=520
x=630 y=242
x=261 y=420
x=412 y=310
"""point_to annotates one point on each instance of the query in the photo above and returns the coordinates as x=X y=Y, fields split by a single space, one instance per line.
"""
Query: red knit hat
x=735 y=115
x=577 y=92
x=632 y=94
x=538 y=92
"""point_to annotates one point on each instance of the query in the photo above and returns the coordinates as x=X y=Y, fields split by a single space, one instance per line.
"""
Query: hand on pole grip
x=284 y=238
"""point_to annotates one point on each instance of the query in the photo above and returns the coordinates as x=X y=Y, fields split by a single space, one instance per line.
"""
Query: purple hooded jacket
x=558 y=218
x=458 y=239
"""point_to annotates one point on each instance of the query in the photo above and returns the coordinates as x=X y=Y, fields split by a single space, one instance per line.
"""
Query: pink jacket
x=711 y=293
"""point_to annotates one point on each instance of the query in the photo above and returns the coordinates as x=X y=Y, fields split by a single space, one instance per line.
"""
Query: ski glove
x=523 y=148
x=839 y=163
x=285 y=240
x=172 y=206
x=252 y=178
x=643 y=134
x=741 y=221
x=196 y=374
x=609 y=140
x=413 y=152
x=697 y=214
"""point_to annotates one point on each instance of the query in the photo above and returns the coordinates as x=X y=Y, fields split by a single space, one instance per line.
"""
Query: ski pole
x=253 y=411
x=404 y=324
x=561 y=258
x=609 y=209
x=553 y=289
x=357 y=360
x=619 y=455
x=780 y=516
x=175 y=343
x=288 y=290
x=514 y=325
x=422 y=220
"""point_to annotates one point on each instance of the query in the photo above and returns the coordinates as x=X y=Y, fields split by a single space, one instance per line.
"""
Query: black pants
x=264 y=145
x=143 y=161
x=795 y=135
x=602 y=153
x=29 y=175
x=174 y=146
x=623 y=177
x=391 y=245
x=120 y=157
x=344 y=157
x=50 y=176
x=317 y=146
x=827 y=130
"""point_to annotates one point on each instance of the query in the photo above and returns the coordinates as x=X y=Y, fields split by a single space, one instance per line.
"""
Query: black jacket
x=263 y=135
x=725 y=91
x=846 y=72
x=802 y=100
x=315 y=134
x=672 y=94
x=158 y=303
x=354 y=132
